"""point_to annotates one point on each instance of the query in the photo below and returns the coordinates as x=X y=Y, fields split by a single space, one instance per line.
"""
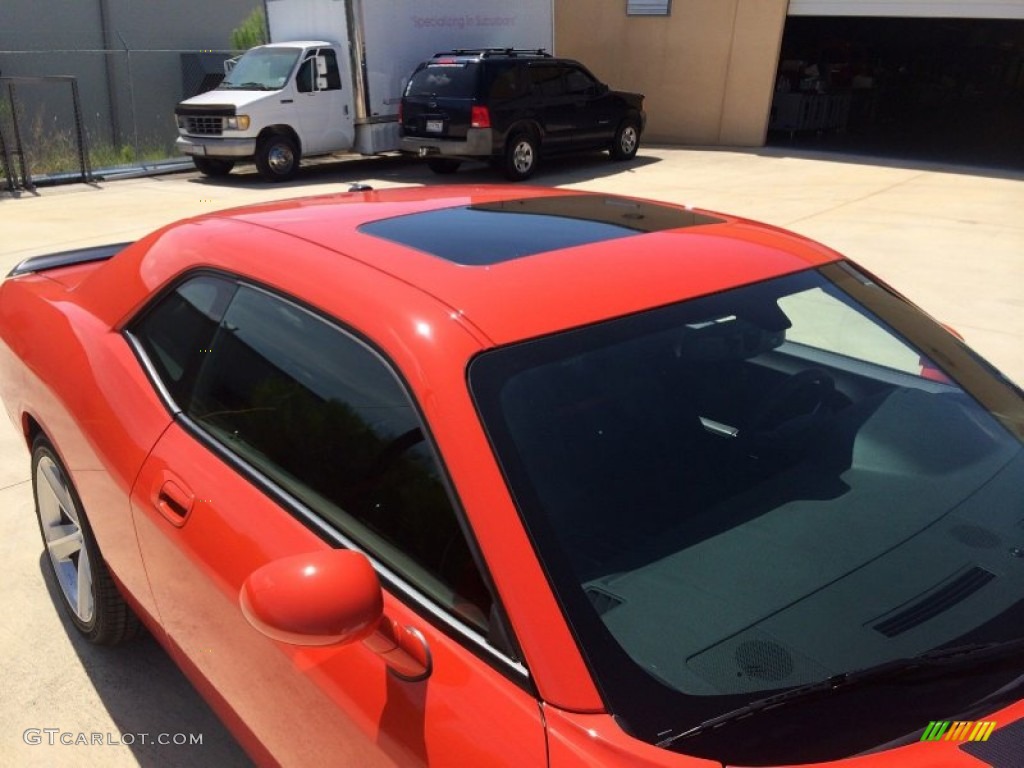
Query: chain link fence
x=75 y=113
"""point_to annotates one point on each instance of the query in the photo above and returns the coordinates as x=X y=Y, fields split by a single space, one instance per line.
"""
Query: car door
x=325 y=103
x=555 y=108
x=592 y=109
x=292 y=436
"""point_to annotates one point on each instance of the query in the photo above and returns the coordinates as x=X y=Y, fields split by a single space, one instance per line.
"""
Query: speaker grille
x=764 y=660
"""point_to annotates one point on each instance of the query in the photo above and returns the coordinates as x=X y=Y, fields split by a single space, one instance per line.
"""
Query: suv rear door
x=554 y=106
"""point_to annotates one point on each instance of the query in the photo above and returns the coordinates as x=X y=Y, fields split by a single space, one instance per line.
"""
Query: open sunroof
x=491 y=233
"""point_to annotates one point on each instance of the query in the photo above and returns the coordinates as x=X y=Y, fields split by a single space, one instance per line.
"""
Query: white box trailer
x=331 y=79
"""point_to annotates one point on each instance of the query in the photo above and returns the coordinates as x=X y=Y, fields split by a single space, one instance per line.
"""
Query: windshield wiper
x=940 y=657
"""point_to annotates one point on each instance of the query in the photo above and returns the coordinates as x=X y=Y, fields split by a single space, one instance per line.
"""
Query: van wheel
x=211 y=166
x=443 y=165
x=520 y=157
x=87 y=590
x=277 y=158
x=626 y=141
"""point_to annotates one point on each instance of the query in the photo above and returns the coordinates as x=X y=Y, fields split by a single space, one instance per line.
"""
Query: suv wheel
x=626 y=141
x=520 y=157
x=443 y=165
x=277 y=158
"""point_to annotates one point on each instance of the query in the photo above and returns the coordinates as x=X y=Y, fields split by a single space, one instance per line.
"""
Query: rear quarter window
x=506 y=82
x=177 y=333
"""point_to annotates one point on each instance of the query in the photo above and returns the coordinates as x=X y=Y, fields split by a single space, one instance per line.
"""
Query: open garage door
x=924 y=9
x=927 y=88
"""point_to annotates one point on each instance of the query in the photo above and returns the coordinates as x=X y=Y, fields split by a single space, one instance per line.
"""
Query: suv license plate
x=435 y=126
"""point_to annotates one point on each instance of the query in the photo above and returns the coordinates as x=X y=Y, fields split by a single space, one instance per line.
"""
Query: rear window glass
x=454 y=80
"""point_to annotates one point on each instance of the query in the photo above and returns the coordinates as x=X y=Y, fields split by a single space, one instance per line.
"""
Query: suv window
x=578 y=81
x=546 y=79
x=323 y=416
x=507 y=81
x=450 y=79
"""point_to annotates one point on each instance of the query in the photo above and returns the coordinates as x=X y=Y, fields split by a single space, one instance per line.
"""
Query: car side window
x=177 y=333
x=322 y=415
x=577 y=81
x=507 y=83
x=546 y=79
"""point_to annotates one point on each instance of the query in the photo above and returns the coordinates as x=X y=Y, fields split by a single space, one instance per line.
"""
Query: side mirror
x=320 y=598
x=331 y=597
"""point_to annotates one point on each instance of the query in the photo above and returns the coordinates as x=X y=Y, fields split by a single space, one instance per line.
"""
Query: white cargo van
x=332 y=78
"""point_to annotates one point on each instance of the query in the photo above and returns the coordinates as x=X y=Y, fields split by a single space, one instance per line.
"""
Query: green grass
x=53 y=151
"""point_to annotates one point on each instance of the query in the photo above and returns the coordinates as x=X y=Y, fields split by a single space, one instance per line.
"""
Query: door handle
x=174 y=502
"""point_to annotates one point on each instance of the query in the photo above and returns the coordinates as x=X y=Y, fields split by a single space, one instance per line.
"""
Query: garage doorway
x=933 y=89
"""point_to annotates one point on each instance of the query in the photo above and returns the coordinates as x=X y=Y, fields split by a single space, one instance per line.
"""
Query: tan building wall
x=707 y=70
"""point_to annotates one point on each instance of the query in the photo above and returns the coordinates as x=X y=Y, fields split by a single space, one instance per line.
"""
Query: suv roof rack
x=487 y=52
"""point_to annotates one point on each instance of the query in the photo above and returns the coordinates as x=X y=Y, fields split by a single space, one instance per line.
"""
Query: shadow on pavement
x=144 y=692
x=564 y=169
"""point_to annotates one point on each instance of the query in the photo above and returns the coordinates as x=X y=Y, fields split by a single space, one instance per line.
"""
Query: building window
x=648 y=7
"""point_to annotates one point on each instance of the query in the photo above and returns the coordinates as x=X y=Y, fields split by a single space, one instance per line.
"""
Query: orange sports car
x=495 y=476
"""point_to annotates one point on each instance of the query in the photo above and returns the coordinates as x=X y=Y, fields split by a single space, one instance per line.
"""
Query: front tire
x=277 y=158
x=626 y=141
x=87 y=590
x=213 y=166
x=521 y=157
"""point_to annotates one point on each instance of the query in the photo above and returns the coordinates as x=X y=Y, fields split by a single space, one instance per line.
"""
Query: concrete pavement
x=951 y=239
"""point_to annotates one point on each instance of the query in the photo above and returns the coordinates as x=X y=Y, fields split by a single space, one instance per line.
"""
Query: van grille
x=204 y=125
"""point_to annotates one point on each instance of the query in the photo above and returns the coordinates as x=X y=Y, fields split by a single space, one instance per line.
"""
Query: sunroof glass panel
x=491 y=233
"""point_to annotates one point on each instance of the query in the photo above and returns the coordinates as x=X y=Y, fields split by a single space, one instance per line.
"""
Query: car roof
x=570 y=283
x=511 y=262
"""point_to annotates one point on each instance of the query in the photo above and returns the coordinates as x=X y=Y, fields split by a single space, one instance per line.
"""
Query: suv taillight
x=480 y=118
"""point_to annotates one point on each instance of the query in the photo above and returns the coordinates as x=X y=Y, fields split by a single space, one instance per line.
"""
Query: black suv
x=510 y=106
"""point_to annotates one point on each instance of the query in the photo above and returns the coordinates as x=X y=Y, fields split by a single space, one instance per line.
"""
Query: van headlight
x=236 y=123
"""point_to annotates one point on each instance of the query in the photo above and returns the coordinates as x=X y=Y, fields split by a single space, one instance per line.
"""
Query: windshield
x=761 y=489
x=262 y=69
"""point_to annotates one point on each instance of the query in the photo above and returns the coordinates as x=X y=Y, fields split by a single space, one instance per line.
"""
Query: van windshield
x=261 y=69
